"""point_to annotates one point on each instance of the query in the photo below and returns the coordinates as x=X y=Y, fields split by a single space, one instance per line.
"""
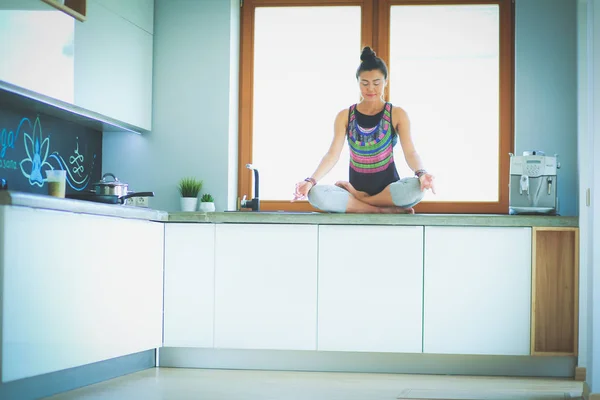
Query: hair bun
x=367 y=54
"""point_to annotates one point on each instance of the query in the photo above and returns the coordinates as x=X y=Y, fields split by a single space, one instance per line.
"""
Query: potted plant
x=189 y=189
x=207 y=203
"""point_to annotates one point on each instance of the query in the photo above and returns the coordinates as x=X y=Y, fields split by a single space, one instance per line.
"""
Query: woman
x=372 y=128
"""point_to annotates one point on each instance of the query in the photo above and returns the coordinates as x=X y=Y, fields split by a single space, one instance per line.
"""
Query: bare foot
x=348 y=187
x=397 y=210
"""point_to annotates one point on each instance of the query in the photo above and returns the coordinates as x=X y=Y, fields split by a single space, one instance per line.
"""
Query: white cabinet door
x=477 y=290
x=370 y=288
x=76 y=289
x=266 y=286
x=189 y=285
x=113 y=67
x=36 y=46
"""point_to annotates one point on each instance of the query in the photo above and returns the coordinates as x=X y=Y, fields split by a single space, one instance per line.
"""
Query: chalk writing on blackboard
x=8 y=138
x=7 y=142
x=27 y=151
x=81 y=181
x=37 y=149
x=76 y=161
x=37 y=160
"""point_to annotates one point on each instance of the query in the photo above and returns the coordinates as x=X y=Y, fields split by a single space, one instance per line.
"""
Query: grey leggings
x=405 y=193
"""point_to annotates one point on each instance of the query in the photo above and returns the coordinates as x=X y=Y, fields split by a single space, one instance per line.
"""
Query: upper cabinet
x=102 y=65
x=37 y=47
x=113 y=65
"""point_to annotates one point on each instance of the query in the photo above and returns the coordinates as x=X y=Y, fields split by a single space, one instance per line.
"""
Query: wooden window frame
x=375 y=26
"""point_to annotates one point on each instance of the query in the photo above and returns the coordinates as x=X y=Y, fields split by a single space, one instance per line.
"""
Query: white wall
x=546 y=88
x=594 y=275
x=584 y=169
x=196 y=96
x=588 y=16
x=194 y=106
x=234 y=72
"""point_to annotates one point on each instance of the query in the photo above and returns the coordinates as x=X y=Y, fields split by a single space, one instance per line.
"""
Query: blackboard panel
x=31 y=143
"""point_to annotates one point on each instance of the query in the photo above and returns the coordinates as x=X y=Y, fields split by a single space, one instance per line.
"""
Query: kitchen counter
x=11 y=198
x=374 y=219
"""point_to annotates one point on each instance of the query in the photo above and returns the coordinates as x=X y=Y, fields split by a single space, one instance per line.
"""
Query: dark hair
x=369 y=62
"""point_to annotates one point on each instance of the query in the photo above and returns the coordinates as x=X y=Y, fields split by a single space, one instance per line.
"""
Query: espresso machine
x=533 y=182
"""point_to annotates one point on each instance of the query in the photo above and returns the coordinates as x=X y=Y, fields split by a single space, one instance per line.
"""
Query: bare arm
x=403 y=128
x=333 y=154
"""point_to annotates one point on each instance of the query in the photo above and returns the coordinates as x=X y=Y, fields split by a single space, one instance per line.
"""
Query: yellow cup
x=57 y=182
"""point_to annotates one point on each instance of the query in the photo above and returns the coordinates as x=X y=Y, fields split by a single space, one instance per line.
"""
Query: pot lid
x=115 y=181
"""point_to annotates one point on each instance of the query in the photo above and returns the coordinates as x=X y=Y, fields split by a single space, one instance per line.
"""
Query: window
x=450 y=66
x=302 y=75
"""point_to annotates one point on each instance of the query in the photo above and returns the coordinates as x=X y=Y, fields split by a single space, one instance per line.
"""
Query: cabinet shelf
x=555 y=291
x=74 y=8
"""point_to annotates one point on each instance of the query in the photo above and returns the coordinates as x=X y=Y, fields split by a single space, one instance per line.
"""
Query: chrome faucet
x=253 y=204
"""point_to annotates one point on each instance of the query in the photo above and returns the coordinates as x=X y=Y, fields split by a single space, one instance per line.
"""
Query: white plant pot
x=188 y=203
x=207 y=207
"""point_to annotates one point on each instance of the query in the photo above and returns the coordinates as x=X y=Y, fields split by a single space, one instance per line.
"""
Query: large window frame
x=375 y=31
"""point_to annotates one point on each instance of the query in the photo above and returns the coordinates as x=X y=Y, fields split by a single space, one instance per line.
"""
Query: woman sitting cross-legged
x=372 y=128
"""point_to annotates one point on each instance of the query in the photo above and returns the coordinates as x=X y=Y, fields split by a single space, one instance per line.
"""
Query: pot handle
x=137 y=194
x=115 y=179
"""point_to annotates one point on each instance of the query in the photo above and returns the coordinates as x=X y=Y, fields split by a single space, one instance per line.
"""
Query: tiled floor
x=184 y=384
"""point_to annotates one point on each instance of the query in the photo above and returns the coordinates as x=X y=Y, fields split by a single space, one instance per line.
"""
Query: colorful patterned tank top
x=372 y=166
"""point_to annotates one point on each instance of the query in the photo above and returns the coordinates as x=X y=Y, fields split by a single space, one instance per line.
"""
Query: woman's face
x=372 y=84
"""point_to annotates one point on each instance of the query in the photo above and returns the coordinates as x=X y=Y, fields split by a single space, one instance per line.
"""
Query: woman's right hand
x=302 y=189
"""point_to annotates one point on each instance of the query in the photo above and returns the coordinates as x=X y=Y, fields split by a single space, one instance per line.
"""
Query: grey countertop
x=11 y=198
x=375 y=219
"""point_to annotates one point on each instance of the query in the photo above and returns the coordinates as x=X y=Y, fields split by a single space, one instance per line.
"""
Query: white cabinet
x=477 y=296
x=370 y=288
x=266 y=286
x=189 y=285
x=113 y=66
x=76 y=289
x=102 y=65
x=36 y=46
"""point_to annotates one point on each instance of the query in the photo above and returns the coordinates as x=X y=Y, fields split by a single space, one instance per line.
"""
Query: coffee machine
x=533 y=182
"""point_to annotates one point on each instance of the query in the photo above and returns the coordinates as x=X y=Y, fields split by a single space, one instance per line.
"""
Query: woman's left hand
x=427 y=182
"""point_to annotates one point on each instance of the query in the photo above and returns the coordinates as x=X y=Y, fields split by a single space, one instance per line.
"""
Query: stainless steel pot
x=113 y=188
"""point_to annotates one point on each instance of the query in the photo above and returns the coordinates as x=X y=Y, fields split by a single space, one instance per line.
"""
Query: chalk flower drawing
x=37 y=150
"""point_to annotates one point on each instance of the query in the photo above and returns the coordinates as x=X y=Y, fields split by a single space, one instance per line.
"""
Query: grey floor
x=183 y=384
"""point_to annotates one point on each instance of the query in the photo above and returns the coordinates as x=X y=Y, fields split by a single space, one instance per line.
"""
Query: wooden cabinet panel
x=74 y=8
x=555 y=291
